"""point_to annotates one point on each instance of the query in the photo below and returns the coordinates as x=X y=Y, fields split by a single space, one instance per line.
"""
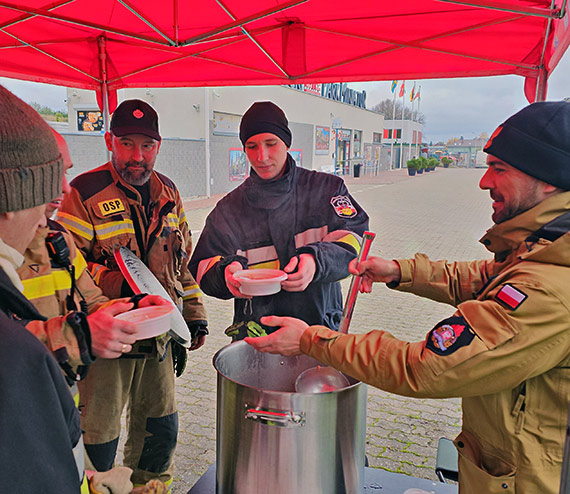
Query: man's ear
x=109 y=141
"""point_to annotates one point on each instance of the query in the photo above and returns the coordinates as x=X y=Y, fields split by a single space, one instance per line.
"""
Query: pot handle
x=280 y=418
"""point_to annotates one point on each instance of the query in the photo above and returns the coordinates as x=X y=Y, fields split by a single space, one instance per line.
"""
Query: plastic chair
x=446 y=461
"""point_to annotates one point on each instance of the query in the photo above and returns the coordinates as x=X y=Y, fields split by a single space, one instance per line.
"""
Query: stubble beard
x=131 y=178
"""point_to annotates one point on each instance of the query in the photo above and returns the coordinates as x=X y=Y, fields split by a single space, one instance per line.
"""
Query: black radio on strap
x=58 y=251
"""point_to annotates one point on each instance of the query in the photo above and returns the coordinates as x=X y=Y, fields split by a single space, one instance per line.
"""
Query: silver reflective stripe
x=261 y=254
x=79 y=453
x=310 y=236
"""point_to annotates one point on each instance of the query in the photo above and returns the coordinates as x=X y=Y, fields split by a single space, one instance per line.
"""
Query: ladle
x=322 y=379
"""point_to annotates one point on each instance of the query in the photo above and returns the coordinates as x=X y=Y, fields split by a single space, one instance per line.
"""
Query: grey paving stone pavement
x=442 y=214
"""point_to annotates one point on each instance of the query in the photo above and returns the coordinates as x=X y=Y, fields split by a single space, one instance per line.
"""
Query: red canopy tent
x=106 y=45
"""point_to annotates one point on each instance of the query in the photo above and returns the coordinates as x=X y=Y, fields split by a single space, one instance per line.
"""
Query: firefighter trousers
x=147 y=386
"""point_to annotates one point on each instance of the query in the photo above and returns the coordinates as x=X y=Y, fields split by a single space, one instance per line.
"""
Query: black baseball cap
x=134 y=116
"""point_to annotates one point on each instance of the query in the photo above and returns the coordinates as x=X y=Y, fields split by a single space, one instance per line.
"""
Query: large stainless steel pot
x=270 y=439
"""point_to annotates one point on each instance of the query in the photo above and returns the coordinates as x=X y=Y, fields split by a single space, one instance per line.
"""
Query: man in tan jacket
x=506 y=349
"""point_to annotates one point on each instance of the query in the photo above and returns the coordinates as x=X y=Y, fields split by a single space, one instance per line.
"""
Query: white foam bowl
x=150 y=321
x=260 y=281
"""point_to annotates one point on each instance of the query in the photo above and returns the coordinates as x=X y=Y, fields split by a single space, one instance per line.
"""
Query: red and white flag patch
x=511 y=297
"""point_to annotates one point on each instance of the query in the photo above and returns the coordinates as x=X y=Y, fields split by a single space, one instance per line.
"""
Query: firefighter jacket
x=505 y=351
x=39 y=424
x=47 y=284
x=263 y=224
x=103 y=213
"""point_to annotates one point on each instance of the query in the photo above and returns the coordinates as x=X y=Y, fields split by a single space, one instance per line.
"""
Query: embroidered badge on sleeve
x=343 y=207
x=449 y=336
x=511 y=297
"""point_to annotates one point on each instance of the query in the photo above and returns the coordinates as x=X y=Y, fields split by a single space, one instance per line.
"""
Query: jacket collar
x=547 y=220
x=270 y=194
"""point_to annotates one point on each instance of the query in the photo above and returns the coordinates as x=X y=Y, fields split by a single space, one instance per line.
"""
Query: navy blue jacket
x=264 y=223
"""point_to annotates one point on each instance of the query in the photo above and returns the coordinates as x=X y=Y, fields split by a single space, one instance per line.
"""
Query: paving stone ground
x=442 y=214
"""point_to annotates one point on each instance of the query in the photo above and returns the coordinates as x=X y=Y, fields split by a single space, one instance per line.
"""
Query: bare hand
x=285 y=341
x=298 y=280
x=153 y=300
x=373 y=270
x=111 y=337
x=232 y=283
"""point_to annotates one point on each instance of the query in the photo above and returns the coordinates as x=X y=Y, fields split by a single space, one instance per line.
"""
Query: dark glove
x=198 y=333
x=179 y=357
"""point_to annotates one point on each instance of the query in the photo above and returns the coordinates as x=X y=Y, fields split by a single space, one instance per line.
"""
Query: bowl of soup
x=259 y=282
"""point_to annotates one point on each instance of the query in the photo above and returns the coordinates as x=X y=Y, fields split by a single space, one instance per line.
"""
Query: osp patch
x=343 y=207
x=510 y=297
x=449 y=336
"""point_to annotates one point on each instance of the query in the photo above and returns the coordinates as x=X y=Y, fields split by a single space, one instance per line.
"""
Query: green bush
x=414 y=164
x=433 y=162
x=446 y=161
x=423 y=162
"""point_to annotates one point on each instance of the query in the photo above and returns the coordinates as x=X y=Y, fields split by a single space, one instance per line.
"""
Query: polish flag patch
x=511 y=297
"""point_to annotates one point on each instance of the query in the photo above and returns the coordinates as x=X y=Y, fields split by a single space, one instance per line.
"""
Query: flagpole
x=393 y=129
x=419 y=98
x=411 y=122
x=402 y=135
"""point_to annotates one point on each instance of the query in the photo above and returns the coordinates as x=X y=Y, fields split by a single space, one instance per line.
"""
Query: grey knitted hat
x=31 y=167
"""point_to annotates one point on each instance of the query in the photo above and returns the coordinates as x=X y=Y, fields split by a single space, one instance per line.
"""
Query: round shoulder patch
x=343 y=207
x=449 y=336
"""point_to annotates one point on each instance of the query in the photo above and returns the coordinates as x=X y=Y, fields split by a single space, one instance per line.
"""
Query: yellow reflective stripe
x=204 y=265
x=96 y=271
x=191 y=291
x=76 y=225
x=266 y=265
x=85 y=486
x=48 y=284
x=173 y=220
x=350 y=240
x=40 y=286
x=80 y=265
x=182 y=217
x=114 y=229
x=310 y=236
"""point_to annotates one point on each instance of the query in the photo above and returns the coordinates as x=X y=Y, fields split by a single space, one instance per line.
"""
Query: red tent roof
x=144 y=43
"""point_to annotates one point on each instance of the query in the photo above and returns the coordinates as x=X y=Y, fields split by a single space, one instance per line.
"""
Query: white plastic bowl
x=260 y=281
x=150 y=321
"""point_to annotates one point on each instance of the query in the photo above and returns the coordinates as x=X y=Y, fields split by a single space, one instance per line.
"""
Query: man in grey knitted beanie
x=38 y=419
x=31 y=166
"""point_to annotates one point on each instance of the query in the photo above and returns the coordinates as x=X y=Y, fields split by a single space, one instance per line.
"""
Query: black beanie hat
x=536 y=140
x=262 y=117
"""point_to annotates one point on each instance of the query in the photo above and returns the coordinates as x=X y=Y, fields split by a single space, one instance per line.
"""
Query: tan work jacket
x=514 y=372
x=47 y=287
x=103 y=213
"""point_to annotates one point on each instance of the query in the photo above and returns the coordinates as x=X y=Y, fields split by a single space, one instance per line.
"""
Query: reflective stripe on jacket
x=103 y=213
x=47 y=286
x=263 y=224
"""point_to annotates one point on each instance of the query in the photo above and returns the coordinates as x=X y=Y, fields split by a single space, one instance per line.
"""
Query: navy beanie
x=536 y=140
x=262 y=117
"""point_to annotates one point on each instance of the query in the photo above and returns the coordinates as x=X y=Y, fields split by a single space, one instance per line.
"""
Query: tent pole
x=541 y=85
x=102 y=43
x=207 y=139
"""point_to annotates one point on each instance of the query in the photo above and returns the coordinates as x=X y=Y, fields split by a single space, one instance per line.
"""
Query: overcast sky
x=452 y=107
